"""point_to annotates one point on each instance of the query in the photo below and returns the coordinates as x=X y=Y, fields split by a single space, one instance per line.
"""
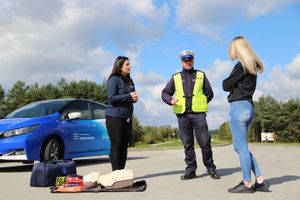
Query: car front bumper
x=13 y=148
x=16 y=155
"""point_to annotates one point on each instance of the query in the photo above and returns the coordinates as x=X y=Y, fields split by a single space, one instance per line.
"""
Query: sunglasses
x=189 y=60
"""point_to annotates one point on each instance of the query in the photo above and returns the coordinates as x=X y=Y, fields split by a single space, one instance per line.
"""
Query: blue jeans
x=240 y=116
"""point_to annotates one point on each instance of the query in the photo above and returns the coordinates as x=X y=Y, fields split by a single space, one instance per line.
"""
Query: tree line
x=21 y=94
x=271 y=115
x=282 y=118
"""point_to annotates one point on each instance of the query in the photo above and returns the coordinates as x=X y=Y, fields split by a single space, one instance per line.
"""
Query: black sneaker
x=213 y=173
x=262 y=187
x=241 y=188
x=188 y=176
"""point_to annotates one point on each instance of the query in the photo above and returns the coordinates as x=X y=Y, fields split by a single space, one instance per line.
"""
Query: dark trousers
x=119 y=131
x=190 y=125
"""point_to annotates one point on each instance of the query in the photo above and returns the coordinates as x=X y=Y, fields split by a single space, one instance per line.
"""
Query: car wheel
x=53 y=150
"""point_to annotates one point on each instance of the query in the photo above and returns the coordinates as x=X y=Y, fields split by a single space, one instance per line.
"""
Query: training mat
x=138 y=186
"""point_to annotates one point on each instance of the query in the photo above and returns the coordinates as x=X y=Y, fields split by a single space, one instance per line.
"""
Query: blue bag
x=44 y=174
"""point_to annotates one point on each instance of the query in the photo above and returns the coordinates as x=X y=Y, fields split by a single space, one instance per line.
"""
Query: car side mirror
x=74 y=115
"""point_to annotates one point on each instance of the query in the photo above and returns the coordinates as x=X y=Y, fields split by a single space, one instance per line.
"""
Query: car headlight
x=19 y=131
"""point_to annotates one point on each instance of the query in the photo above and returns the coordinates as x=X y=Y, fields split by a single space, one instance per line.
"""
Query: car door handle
x=92 y=126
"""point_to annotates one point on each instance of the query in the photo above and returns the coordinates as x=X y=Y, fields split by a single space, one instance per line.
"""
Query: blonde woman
x=241 y=85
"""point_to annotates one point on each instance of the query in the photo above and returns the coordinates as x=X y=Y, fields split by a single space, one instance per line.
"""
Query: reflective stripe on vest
x=199 y=100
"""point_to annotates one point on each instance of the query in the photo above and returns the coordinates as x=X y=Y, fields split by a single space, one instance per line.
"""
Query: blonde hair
x=240 y=49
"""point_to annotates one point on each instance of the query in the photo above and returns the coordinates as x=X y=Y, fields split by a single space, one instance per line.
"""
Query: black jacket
x=240 y=84
x=188 y=80
x=119 y=99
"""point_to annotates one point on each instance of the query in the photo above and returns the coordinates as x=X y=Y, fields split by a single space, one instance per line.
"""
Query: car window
x=77 y=106
x=98 y=111
x=38 y=109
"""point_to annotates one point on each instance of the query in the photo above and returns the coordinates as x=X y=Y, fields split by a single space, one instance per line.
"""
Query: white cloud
x=147 y=78
x=258 y=93
x=150 y=109
x=45 y=40
x=283 y=83
x=293 y=69
x=218 y=71
x=149 y=84
x=210 y=18
x=256 y=8
x=154 y=112
x=218 y=107
x=216 y=118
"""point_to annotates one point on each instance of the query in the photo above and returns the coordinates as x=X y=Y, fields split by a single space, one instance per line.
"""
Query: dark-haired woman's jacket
x=119 y=99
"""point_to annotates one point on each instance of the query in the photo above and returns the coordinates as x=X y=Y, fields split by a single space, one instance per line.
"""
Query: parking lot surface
x=161 y=169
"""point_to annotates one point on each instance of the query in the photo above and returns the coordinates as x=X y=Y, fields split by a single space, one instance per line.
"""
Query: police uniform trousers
x=190 y=125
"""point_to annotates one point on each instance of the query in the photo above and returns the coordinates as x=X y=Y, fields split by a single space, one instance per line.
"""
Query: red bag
x=75 y=180
x=67 y=188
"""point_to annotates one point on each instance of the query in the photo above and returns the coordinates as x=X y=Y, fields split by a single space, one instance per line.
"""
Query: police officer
x=189 y=92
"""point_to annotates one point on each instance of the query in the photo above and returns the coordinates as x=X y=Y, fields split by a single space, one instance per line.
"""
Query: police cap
x=186 y=55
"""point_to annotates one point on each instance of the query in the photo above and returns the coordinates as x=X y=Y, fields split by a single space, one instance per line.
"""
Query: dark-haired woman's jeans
x=119 y=131
x=240 y=116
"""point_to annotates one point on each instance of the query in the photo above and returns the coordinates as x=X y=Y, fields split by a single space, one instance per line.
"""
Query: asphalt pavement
x=162 y=169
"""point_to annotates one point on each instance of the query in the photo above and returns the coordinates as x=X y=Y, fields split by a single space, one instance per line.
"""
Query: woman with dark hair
x=121 y=95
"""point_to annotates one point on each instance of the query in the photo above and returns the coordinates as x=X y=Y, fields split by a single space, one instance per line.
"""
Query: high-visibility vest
x=199 y=100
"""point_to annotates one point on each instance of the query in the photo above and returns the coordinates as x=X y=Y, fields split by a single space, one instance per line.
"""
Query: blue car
x=54 y=129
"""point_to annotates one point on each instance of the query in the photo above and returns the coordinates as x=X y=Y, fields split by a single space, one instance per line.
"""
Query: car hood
x=13 y=123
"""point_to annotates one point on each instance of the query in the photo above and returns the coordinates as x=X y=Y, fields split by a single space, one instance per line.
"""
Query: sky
x=43 y=41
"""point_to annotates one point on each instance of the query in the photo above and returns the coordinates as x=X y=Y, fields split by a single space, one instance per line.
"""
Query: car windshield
x=38 y=109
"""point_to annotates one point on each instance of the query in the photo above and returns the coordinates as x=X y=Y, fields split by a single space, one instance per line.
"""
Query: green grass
x=167 y=144
x=172 y=144
x=215 y=141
